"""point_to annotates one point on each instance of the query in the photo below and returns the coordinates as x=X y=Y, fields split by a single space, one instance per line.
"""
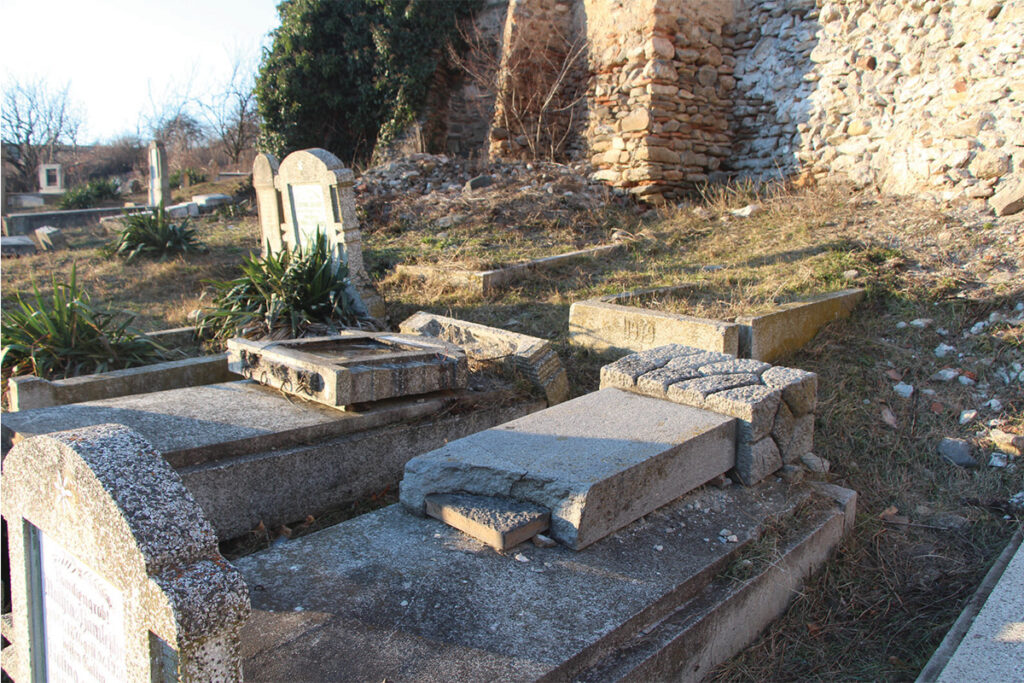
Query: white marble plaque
x=309 y=213
x=83 y=618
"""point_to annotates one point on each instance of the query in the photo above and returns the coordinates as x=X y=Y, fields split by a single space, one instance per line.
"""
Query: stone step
x=597 y=462
x=501 y=523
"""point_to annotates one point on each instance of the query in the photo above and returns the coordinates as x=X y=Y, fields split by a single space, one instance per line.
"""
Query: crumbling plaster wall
x=911 y=96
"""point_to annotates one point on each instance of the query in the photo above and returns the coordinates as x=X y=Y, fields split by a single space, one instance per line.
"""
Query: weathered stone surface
x=801 y=440
x=773 y=335
x=49 y=238
x=755 y=461
x=501 y=523
x=369 y=601
x=694 y=392
x=16 y=245
x=208 y=202
x=755 y=407
x=605 y=326
x=351 y=367
x=128 y=555
x=799 y=387
x=625 y=372
x=531 y=356
x=597 y=462
x=957 y=451
x=735 y=366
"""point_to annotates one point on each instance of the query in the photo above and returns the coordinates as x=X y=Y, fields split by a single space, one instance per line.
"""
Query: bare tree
x=231 y=114
x=36 y=122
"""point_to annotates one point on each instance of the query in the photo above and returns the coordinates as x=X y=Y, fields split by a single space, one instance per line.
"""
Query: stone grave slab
x=115 y=572
x=501 y=523
x=349 y=368
x=597 y=462
x=390 y=596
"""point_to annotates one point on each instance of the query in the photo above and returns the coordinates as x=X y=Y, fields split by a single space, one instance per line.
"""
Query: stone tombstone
x=268 y=202
x=51 y=179
x=115 y=571
x=159 y=180
x=313 y=194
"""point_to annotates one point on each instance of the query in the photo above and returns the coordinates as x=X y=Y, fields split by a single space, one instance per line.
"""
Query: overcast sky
x=122 y=57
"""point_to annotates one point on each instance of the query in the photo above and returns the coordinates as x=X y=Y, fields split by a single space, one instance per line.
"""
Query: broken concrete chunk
x=693 y=392
x=799 y=388
x=755 y=406
x=501 y=523
x=756 y=461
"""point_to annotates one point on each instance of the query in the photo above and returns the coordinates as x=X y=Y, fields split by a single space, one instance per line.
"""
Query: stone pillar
x=115 y=571
x=159 y=180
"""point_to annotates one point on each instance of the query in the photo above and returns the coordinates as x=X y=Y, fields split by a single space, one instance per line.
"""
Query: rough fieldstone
x=1009 y=199
x=693 y=392
x=799 y=388
x=624 y=372
x=802 y=440
x=754 y=406
x=756 y=461
x=957 y=451
x=735 y=366
x=990 y=164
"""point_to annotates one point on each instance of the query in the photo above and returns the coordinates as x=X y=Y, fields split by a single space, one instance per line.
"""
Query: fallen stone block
x=16 y=245
x=606 y=326
x=501 y=523
x=597 y=462
x=1009 y=199
x=183 y=210
x=799 y=387
x=49 y=238
x=531 y=356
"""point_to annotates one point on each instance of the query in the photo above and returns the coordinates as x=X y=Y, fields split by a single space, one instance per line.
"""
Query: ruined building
x=911 y=96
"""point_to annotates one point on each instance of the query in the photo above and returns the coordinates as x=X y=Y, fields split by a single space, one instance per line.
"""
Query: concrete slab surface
x=597 y=462
x=217 y=421
x=993 y=647
x=391 y=596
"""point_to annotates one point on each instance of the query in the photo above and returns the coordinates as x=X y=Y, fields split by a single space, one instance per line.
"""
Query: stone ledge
x=486 y=281
x=774 y=406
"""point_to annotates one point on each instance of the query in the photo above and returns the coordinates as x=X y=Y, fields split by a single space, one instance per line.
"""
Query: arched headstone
x=115 y=571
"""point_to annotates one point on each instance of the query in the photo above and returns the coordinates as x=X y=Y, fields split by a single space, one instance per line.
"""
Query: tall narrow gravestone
x=115 y=572
x=312 y=193
x=159 y=181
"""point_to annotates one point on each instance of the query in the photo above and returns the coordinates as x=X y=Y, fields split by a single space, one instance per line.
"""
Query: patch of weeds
x=89 y=195
x=154 y=235
x=64 y=335
x=284 y=295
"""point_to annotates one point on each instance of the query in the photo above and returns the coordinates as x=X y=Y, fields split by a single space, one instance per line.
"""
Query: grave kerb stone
x=115 y=571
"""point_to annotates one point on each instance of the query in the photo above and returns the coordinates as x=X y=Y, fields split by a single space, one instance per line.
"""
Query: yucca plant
x=63 y=335
x=153 y=234
x=283 y=295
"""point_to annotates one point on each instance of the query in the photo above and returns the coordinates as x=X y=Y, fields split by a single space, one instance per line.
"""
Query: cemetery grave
x=605 y=471
x=282 y=615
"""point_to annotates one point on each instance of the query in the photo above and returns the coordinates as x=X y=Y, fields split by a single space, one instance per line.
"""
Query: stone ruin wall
x=912 y=96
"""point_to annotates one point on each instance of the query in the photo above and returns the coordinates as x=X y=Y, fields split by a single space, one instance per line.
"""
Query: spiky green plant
x=63 y=335
x=283 y=295
x=153 y=234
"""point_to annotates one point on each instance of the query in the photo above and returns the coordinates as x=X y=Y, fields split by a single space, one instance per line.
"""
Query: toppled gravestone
x=115 y=571
x=774 y=405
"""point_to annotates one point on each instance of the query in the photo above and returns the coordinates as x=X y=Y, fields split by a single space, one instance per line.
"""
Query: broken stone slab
x=114 y=555
x=354 y=367
x=208 y=202
x=1010 y=197
x=597 y=462
x=773 y=335
x=501 y=523
x=606 y=326
x=16 y=245
x=49 y=238
x=392 y=596
x=758 y=395
x=183 y=210
x=531 y=356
